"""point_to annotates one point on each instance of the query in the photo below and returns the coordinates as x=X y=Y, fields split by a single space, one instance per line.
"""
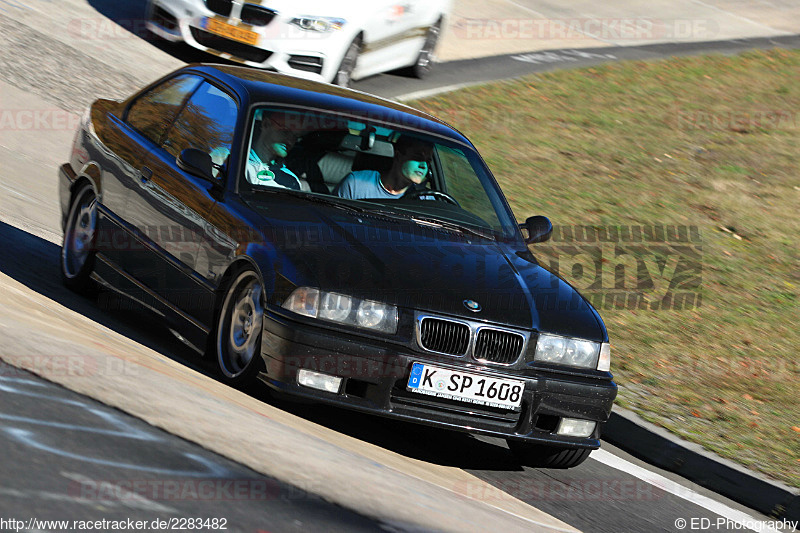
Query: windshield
x=373 y=166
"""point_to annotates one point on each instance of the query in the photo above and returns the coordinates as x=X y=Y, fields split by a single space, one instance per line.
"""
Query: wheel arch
x=359 y=38
x=90 y=174
x=239 y=263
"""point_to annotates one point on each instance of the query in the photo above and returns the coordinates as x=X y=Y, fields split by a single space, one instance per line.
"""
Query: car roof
x=264 y=86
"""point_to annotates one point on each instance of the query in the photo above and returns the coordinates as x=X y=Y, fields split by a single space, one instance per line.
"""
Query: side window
x=153 y=112
x=207 y=123
x=465 y=186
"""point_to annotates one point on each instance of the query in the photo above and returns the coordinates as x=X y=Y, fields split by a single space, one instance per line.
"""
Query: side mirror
x=197 y=163
x=539 y=229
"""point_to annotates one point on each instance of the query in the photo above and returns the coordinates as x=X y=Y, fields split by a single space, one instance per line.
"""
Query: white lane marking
x=529 y=10
x=740 y=17
x=667 y=485
x=50 y=496
x=22 y=195
x=119 y=428
x=29 y=439
x=545 y=526
x=416 y=95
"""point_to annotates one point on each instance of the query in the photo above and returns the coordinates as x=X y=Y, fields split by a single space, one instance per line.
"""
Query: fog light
x=318 y=381
x=574 y=427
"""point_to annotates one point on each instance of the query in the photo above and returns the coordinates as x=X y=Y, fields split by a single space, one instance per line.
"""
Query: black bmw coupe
x=339 y=247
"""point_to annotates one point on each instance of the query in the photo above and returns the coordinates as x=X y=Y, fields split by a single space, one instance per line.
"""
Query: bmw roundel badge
x=472 y=305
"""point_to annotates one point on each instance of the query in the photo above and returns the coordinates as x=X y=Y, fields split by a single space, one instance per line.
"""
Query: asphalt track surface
x=69 y=457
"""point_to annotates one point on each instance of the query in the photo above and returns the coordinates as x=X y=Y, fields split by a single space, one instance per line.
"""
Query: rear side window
x=153 y=112
x=207 y=123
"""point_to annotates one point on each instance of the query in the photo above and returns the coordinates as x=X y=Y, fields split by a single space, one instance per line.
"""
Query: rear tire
x=237 y=336
x=78 y=247
x=544 y=456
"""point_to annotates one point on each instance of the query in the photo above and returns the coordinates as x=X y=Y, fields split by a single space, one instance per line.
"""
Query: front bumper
x=281 y=47
x=375 y=375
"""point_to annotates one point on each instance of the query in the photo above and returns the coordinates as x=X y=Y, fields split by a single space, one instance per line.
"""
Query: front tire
x=78 y=248
x=424 y=63
x=237 y=339
x=344 y=73
x=544 y=456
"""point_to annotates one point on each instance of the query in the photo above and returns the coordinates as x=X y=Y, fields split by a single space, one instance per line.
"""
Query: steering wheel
x=437 y=195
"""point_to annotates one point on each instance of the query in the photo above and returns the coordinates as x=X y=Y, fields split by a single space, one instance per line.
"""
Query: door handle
x=146 y=174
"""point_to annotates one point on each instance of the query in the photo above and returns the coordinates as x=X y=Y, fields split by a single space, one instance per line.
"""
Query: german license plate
x=234 y=33
x=466 y=387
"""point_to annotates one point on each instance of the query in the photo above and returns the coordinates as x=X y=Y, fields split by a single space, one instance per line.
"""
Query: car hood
x=426 y=269
x=308 y=7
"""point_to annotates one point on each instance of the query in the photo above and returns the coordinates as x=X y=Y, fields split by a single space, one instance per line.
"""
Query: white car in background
x=317 y=40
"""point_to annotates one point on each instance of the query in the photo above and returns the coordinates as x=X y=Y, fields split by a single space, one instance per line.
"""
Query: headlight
x=335 y=307
x=573 y=352
x=318 y=24
x=343 y=309
x=372 y=314
x=303 y=301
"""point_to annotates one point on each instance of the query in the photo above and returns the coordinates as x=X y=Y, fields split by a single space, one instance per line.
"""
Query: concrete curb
x=657 y=446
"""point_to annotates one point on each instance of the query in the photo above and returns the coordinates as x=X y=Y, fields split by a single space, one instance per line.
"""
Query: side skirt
x=186 y=328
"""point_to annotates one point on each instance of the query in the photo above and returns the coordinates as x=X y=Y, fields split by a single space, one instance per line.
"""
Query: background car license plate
x=465 y=386
x=231 y=32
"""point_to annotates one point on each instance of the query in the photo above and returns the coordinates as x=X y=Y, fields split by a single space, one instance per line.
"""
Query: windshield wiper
x=395 y=215
x=322 y=199
x=453 y=226
x=303 y=195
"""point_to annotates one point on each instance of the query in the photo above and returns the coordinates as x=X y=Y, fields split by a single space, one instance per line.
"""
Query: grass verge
x=705 y=145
